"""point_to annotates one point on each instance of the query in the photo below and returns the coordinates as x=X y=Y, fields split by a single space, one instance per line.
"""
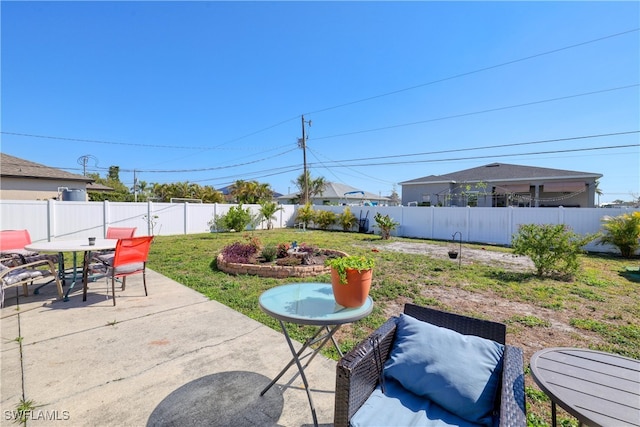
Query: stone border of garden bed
x=276 y=271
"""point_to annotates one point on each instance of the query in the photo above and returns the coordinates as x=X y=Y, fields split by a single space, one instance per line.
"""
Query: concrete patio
x=172 y=358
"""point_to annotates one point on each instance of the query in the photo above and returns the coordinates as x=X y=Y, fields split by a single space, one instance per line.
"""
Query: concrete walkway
x=173 y=358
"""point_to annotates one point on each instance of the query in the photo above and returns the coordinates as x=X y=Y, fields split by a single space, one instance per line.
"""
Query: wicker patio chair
x=12 y=275
x=358 y=372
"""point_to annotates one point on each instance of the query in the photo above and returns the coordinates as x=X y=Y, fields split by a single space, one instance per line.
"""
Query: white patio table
x=75 y=246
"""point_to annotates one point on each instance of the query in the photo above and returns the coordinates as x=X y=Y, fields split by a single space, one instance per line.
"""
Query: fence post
x=468 y=224
x=560 y=215
x=149 y=218
x=186 y=217
x=510 y=229
x=433 y=212
x=51 y=220
x=106 y=217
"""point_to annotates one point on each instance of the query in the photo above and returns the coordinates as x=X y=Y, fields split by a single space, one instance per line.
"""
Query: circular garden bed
x=315 y=267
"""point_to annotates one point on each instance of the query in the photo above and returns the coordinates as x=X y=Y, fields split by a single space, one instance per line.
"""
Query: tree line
x=241 y=191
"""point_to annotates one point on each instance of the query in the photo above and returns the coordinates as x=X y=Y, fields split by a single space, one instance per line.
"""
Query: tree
x=315 y=186
x=268 y=211
x=186 y=190
x=394 y=198
x=114 y=173
x=251 y=192
x=120 y=191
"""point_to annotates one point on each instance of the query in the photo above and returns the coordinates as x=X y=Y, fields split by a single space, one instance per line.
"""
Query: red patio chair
x=130 y=257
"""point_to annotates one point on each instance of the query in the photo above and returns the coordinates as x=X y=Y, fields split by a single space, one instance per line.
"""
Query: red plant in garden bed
x=242 y=253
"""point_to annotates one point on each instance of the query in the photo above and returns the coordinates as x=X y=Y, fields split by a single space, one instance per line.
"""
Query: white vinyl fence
x=51 y=219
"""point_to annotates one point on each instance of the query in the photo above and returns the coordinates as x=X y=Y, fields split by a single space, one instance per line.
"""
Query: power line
x=338 y=105
x=129 y=144
x=479 y=70
x=486 y=147
x=491 y=110
x=207 y=169
x=315 y=154
x=495 y=155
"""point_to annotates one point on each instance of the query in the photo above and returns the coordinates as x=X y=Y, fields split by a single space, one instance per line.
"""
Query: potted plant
x=351 y=279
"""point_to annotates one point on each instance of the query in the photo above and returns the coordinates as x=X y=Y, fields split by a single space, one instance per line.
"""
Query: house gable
x=25 y=180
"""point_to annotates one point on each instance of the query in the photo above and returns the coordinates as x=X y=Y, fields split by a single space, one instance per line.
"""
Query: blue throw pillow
x=459 y=372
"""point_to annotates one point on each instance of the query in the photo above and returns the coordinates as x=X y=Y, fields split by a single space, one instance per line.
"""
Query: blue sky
x=212 y=92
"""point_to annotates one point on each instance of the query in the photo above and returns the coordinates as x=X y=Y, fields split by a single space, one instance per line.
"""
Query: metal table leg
x=296 y=359
x=73 y=283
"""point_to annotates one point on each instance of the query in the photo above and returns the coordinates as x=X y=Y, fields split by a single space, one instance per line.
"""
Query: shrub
x=282 y=250
x=325 y=219
x=553 y=249
x=270 y=252
x=243 y=253
x=305 y=214
x=217 y=224
x=347 y=219
x=622 y=232
x=386 y=224
x=238 y=218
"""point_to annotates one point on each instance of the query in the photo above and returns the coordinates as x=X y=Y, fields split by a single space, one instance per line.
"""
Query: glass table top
x=310 y=304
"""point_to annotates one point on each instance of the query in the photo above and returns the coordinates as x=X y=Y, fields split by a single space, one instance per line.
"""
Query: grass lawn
x=600 y=309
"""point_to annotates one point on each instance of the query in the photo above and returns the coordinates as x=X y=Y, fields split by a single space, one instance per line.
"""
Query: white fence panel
x=198 y=217
x=77 y=220
x=168 y=218
x=17 y=214
x=287 y=216
x=447 y=221
x=489 y=225
x=416 y=222
x=122 y=214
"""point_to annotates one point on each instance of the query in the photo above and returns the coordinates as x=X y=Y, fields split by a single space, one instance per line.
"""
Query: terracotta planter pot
x=355 y=292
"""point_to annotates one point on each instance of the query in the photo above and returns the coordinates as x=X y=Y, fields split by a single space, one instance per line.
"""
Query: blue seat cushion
x=399 y=407
x=459 y=372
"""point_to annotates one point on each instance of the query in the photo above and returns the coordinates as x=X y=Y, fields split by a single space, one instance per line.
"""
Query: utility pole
x=303 y=144
x=135 y=186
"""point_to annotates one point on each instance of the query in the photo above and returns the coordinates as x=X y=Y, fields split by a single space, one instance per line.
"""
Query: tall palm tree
x=315 y=186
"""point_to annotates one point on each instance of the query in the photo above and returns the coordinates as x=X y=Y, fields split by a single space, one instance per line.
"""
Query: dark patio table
x=598 y=388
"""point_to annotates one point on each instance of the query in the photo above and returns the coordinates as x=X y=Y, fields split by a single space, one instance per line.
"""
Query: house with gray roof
x=501 y=185
x=335 y=193
x=24 y=180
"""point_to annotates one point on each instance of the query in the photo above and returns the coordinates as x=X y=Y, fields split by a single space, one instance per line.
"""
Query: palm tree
x=268 y=210
x=251 y=192
x=598 y=191
x=315 y=186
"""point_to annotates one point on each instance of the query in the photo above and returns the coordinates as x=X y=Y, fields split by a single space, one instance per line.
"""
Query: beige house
x=501 y=185
x=24 y=180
